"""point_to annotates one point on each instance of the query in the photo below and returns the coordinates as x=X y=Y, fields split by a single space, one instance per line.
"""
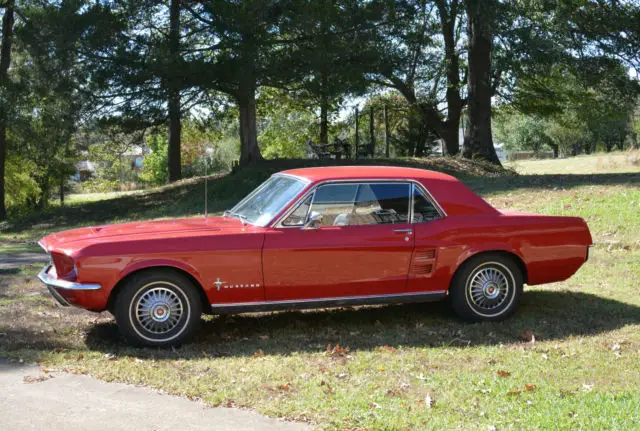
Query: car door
x=427 y=272
x=362 y=247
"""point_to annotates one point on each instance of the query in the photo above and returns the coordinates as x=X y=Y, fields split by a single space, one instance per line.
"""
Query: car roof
x=452 y=195
x=365 y=172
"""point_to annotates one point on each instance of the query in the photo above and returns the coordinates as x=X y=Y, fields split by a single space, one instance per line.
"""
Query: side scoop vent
x=423 y=262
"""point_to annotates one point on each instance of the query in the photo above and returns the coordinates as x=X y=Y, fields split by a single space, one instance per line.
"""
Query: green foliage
x=154 y=168
x=21 y=188
x=285 y=126
x=521 y=132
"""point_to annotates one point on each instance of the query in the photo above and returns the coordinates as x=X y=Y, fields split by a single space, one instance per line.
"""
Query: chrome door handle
x=407 y=231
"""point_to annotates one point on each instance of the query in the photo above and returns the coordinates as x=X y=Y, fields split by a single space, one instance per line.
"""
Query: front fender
x=154 y=263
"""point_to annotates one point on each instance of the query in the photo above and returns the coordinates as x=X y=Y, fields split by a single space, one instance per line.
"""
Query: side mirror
x=314 y=221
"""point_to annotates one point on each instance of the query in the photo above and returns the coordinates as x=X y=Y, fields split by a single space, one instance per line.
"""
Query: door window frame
x=311 y=192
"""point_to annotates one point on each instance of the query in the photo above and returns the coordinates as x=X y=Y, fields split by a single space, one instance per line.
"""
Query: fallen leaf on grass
x=503 y=373
x=528 y=335
x=37 y=379
x=286 y=387
x=530 y=387
x=330 y=390
x=387 y=348
x=336 y=351
x=429 y=402
x=80 y=357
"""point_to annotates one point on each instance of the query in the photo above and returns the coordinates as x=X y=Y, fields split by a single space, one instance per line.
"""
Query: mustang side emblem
x=219 y=284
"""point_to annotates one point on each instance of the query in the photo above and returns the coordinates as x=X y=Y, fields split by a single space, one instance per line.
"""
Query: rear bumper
x=55 y=285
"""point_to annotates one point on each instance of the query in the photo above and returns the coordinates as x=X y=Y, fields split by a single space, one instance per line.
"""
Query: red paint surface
x=289 y=263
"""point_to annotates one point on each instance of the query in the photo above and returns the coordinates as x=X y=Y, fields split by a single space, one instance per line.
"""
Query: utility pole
x=386 y=132
x=357 y=134
x=372 y=133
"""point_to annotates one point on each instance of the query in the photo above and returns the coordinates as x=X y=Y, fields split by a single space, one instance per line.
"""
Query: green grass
x=19 y=247
x=580 y=372
x=615 y=162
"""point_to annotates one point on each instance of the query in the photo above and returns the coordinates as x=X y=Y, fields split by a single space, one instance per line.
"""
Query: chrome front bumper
x=55 y=283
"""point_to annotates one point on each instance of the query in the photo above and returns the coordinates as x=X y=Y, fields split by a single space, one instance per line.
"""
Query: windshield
x=262 y=204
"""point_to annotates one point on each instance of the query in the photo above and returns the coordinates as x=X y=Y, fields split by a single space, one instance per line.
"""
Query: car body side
x=228 y=252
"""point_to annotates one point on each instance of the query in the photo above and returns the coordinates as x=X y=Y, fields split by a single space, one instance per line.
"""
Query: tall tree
x=136 y=57
x=240 y=49
x=478 y=140
x=5 y=61
x=327 y=38
x=173 y=92
x=420 y=59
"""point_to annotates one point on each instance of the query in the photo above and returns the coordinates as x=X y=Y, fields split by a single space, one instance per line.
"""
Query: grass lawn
x=569 y=359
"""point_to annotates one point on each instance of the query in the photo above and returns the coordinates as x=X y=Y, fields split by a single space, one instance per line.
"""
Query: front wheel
x=158 y=308
x=486 y=288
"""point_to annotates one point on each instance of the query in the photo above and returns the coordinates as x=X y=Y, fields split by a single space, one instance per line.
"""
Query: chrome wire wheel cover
x=488 y=287
x=159 y=310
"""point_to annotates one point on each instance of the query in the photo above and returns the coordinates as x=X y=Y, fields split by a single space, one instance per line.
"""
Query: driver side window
x=352 y=204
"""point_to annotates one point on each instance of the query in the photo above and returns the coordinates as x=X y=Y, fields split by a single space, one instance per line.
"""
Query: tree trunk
x=386 y=132
x=478 y=140
x=449 y=133
x=556 y=149
x=175 y=125
x=324 y=111
x=5 y=61
x=249 y=150
x=61 y=191
x=372 y=134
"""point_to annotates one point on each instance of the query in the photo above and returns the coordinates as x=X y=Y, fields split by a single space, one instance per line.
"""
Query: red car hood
x=74 y=238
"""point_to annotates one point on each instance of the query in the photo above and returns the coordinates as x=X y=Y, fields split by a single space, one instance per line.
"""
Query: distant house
x=86 y=169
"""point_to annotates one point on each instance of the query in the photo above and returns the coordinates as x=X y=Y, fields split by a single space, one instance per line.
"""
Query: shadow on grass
x=550 y=181
x=550 y=315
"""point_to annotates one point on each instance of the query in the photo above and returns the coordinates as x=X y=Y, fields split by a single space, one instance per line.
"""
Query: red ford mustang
x=317 y=237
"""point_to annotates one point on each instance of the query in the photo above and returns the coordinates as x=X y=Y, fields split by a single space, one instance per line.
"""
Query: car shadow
x=549 y=315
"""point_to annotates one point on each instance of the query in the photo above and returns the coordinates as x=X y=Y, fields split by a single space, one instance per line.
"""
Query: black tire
x=486 y=287
x=158 y=308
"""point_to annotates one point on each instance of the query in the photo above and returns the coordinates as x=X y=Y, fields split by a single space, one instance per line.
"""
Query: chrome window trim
x=414 y=183
x=254 y=192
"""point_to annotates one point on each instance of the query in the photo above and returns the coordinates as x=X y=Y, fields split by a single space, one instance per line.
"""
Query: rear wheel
x=158 y=308
x=486 y=288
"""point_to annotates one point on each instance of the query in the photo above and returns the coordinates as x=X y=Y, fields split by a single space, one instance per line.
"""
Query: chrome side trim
x=277 y=222
x=64 y=284
x=301 y=304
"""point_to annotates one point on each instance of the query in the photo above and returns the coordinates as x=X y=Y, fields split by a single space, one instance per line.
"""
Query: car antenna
x=208 y=152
